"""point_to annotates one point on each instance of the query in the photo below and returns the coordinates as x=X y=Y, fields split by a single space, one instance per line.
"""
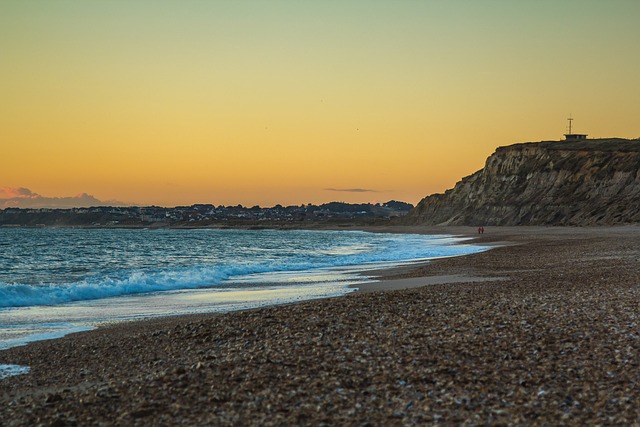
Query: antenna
x=571 y=136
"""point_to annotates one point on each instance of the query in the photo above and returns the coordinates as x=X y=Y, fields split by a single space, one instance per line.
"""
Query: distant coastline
x=206 y=216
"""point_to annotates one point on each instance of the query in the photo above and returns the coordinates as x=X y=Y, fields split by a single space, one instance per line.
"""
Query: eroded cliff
x=590 y=182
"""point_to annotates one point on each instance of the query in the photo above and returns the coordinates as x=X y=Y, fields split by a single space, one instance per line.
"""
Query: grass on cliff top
x=602 y=144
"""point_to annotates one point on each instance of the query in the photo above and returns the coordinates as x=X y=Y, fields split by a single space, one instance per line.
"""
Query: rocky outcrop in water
x=588 y=182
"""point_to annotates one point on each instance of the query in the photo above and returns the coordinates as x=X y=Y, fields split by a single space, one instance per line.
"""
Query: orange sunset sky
x=290 y=102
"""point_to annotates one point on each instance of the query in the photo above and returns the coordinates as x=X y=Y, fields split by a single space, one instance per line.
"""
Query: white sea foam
x=11 y=370
x=22 y=334
x=19 y=295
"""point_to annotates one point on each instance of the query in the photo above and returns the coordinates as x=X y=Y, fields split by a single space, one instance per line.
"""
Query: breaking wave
x=173 y=260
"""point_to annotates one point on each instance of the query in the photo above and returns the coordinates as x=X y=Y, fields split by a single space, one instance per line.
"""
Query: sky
x=290 y=102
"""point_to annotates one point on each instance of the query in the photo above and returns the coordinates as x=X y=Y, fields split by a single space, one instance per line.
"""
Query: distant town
x=202 y=215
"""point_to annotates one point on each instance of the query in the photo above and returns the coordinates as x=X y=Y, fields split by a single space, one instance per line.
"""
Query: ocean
x=57 y=281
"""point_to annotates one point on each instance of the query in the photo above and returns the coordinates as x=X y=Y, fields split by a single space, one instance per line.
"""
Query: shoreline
x=550 y=342
x=361 y=272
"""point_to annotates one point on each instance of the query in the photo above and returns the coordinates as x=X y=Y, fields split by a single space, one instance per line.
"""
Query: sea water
x=57 y=281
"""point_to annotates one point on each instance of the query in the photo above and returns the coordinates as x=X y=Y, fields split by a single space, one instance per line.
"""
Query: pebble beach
x=543 y=329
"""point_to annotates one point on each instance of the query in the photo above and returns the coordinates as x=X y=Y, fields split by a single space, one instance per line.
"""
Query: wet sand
x=556 y=340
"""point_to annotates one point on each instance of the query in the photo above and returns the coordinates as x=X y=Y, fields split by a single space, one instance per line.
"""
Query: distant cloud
x=25 y=198
x=352 y=190
x=16 y=193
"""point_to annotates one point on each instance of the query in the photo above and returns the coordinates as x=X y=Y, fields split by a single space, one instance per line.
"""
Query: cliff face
x=556 y=183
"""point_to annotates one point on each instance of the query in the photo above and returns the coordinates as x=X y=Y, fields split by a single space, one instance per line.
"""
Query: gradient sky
x=265 y=102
